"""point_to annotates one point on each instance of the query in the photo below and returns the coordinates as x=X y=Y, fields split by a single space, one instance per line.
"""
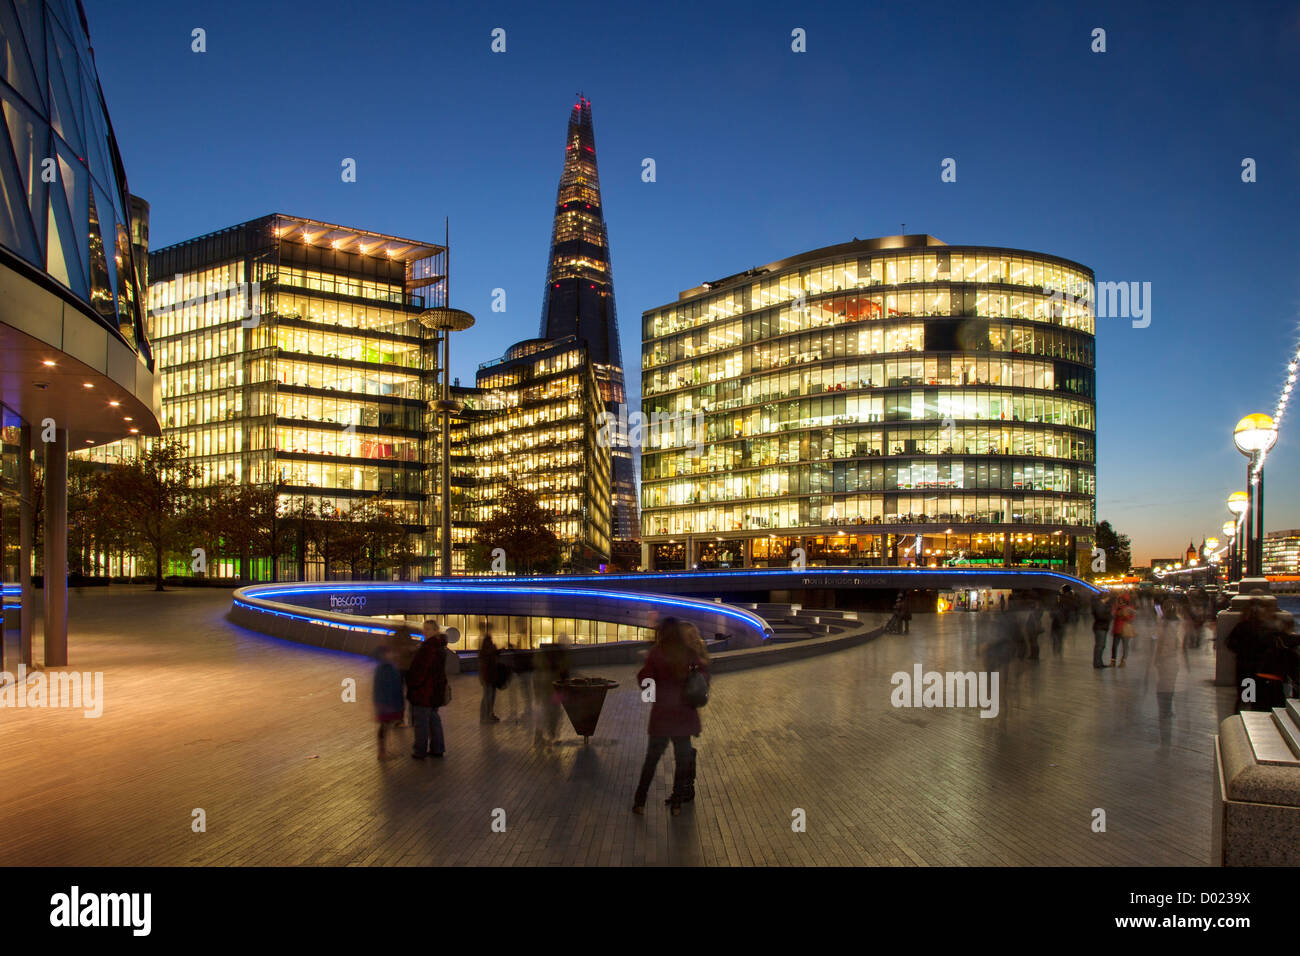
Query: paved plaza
x=201 y=714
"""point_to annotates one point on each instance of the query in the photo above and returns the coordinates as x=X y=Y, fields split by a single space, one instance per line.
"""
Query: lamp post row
x=1254 y=436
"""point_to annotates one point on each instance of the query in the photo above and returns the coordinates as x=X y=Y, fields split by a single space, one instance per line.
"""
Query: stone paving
x=201 y=714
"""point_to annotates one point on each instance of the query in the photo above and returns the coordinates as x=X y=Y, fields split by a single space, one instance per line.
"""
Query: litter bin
x=583 y=698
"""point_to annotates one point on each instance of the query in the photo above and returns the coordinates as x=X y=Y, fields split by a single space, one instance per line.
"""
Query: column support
x=26 y=545
x=56 y=550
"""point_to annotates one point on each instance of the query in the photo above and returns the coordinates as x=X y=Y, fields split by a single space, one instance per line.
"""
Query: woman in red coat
x=677 y=649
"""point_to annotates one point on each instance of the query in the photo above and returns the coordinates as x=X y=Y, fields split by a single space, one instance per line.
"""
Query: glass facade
x=529 y=633
x=533 y=419
x=859 y=400
x=1282 y=552
x=78 y=366
x=66 y=208
x=290 y=351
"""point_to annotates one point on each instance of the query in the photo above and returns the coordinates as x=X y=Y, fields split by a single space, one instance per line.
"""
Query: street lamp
x=1238 y=505
x=444 y=321
x=1254 y=436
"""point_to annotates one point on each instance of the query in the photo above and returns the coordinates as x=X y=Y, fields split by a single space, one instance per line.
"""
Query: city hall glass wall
x=77 y=369
x=887 y=401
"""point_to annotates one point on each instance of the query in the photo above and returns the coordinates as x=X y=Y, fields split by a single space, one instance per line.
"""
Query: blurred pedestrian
x=1122 y=630
x=1056 y=610
x=552 y=664
x=1102 y=617
x=669 y=665
x=1033 y=624
x=522 y=662
x=387 y=693
x=427 y=689
x=1168 y=658
x=903 y=612
x=404 y=644
x=488 y=662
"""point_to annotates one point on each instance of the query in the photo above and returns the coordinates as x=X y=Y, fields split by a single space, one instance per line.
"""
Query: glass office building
x=77 y=368
x=290 y=351
x=889 y=401
x=532 y=419
x=1282 y=552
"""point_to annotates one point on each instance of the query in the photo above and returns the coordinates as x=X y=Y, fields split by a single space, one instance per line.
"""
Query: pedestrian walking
x=1058 y=610
x=1168 y=658
x=676 y=659
x=903 y=612
x=427 y=689
x=387 y=694
x=1034 y=625
x=1101 y=622
x=404 y=646
x=1123 y=630
x=521 y=689
x=488 y=674
x=552 y=664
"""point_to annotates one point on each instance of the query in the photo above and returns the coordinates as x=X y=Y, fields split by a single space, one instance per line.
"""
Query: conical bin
x=583 y=698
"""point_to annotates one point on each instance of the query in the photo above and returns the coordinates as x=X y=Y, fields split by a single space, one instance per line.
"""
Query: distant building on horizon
x=1282 y=552
x=891 y=401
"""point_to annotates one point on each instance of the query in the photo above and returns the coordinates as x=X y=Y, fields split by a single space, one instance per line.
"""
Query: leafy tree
x=349 y=546
x=324 y=529
x=384 y=535
x=274 y=527
x=209 y=509
x=522 y=528
x=150 y=496
x=83 y=510
x=1117 y=546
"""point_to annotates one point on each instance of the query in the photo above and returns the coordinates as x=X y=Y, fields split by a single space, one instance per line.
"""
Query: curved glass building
x=890 y=401
x=75 y=365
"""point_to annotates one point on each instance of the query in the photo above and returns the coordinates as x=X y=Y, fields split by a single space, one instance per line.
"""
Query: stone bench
x=1257 y=789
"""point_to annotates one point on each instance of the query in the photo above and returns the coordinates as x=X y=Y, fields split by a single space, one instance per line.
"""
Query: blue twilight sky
x=1128 y=161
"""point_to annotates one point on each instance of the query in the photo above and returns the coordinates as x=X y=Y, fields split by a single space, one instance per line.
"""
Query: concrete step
x=1267 y=741
x=1288 y=726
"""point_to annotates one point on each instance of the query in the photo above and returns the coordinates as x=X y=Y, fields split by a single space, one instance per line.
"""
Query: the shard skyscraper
x=579 y=300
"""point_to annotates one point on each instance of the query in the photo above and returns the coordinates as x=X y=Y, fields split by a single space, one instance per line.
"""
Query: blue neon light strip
x=271 y=591
x=741 y=615
x=325 y=622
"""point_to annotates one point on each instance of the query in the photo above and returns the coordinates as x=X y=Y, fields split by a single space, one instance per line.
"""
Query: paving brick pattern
x=202 y=714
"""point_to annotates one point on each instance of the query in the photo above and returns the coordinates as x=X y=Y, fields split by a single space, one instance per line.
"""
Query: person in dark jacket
x=387 y=695
x=903 y=612
x=426 y=686
x=671 y=718
x=1101 y=620
x=488 y=658
x=1255 y=640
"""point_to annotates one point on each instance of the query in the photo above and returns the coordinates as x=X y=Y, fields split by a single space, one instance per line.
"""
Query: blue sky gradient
x=1128 y=161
